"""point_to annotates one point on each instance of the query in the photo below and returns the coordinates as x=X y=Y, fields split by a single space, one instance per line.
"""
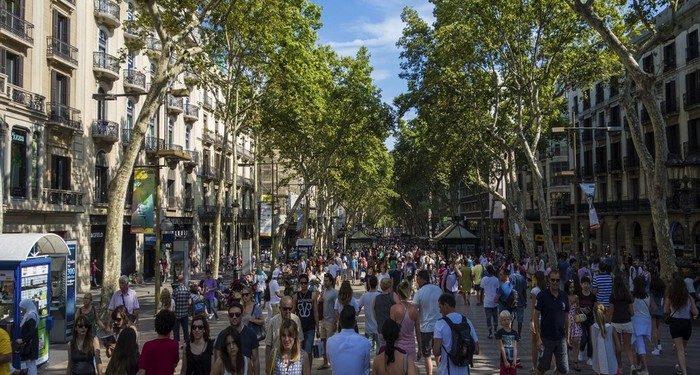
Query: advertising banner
x=265 y=220
x=247 y=254
x=588 y=189
x=70 y=287
x=143 y=209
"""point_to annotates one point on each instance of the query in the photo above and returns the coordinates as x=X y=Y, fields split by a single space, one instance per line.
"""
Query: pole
x=157 y=203
x=574 y=232
x=273 y=230
x=256 y=201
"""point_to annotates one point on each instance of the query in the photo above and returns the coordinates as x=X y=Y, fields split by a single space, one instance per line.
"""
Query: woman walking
x=657 y=289
x=199 y=350
x=252 y=314
x=641 y=320
x=166 y=300
x=540 y=285
x=83 y=350
x=407 y=316
x=125 y=356
x=391 y=359
x=230 y=360
x=288 y=358
x=679 y=307
x=90 y=312
x=604 y=358
x=621 y=309
x=28 y=341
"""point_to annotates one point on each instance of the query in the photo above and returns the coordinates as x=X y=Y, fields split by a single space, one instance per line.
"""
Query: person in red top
x=160 y=355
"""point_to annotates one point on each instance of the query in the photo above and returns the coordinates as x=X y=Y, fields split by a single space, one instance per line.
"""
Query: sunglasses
x=234 y=315
x=287 y=308
x=245 y=294
x=81 y=326
x=554 y=280
x=198 y=327
x=118 y=320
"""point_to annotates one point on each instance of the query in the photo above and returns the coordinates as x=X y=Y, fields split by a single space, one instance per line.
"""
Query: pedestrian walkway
x=487 y=362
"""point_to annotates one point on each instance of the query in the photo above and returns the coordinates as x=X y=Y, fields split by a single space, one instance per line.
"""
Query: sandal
x=577 y=367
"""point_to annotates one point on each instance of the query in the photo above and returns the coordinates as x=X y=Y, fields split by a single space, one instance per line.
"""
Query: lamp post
x=236 y=228
x=576 y=173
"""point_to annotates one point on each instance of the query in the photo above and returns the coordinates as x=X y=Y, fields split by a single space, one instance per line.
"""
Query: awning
x=17 y=247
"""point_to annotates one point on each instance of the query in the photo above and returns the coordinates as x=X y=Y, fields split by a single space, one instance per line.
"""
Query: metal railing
x=30 y=100
x=174 y=102
x=127 y=133
x=105 y=129
x=63 y=115
x=691 y=152
x=103 y=60
x=63 y=197
x=243 y=152
x=153 y=144
x=108 y=7
x=194 y=157
x=207 y=137
x=172 y=147
x=192 y=111
x=61 y=49
x=208 y=101
x=134 y=78
x=15 y=25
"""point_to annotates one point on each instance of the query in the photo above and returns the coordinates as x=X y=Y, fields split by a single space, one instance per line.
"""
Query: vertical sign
x=265 y=220
x=588 y=189
x=143 y=209
x=70 y=287
x=247 y=253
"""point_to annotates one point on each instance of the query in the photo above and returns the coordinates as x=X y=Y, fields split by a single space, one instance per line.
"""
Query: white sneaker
x=656 y=351
x=581 y=355
x=589 y=362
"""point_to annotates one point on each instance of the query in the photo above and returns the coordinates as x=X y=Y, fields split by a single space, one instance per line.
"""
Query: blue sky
x=376 y=24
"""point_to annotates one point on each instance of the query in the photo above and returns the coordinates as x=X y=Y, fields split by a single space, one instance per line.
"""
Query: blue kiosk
x=25 y=273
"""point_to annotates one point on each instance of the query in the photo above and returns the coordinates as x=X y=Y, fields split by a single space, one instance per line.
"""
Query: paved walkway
x=485 y=363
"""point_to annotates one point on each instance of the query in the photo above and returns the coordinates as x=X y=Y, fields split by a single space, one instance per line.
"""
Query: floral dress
x=574 y=328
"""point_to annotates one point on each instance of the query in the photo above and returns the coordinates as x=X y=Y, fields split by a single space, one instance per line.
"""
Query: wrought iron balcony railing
x=61 y=50
x=16 y=25
x=61 y=114
x=30 y=100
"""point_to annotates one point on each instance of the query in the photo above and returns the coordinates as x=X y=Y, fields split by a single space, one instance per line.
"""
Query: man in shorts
x=327 y=326
x=426 y=299
x=477 y=273
x=553 y=307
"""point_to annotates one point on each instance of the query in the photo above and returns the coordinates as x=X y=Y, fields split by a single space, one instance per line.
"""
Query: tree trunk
x=119 y=183
x=283 y=228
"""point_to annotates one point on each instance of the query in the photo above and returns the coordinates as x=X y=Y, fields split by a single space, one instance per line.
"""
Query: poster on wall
x=265 y=220
x=143 y=208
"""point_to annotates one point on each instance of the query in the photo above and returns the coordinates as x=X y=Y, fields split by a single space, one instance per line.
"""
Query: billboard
x=265 y=220
x=143 y=206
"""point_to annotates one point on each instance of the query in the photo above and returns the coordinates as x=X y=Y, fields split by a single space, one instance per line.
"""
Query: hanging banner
x=143 y=208
x=265 y=220
x=588 y=189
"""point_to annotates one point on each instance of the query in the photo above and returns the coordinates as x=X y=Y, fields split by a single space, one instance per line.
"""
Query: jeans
x=561 y=356
x=184 y=323
x=373 y=339
x=586 y=343
x=258 y=297
x=492 y=313
x=520 y=315
x=212 y=306
x=308 y=343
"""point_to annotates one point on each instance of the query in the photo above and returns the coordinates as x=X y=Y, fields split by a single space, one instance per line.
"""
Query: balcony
x=207 y=212
x=245 y=181
x=153 y=44
x=191 y=113
x=173 y=152
x=153 y=144
x=175 y=106
x=207 y=137
x=64 y=198
x=600 y=168
x=691 y=100
x=134 y=82
x=15 y=28
x=193 y=161
x=131 y=33
x=243 y=152
x=107 y=13
x=615 y=165
x=61 y=52
x=691 y=153
x=631 y=163
x=127 y=133
x=600 y=135
x=669 y=107
x=105 y=131
x=63 y=116
x=218 y=140
x=208 y=102
x=105 y=66
x=29 y=100
x=207 y=173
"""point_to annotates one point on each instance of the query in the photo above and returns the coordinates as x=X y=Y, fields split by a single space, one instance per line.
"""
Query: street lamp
x=575 y=173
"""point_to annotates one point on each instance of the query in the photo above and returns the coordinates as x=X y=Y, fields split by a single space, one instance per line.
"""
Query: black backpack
x=463 y=347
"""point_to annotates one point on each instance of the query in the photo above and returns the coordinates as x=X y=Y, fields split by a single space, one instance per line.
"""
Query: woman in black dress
x=199 y=350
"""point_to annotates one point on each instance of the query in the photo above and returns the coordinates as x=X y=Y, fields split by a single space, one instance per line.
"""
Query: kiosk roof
x=17 y=247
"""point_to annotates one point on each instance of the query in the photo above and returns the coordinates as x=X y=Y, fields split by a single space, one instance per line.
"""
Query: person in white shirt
x=367 y=302
x=127 y=297
x=426 y=299
x=442 y=341
x=275 y=296
x=348 y=352
x=490 y=284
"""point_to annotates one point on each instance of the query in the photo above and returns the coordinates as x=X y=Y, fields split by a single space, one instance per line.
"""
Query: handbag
x=580 y=318
x=260 y=332
x=667 y=317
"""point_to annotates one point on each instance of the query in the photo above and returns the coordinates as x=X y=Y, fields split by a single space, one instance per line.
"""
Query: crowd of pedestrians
x=585 y=313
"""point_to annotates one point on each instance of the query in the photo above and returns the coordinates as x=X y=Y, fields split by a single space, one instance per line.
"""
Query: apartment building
x=61 y=145
x=475 y=211
x=609 y=159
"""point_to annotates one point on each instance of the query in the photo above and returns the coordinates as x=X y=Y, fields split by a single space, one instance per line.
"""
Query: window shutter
x=20 y=71
x=54 y=86
x=21 y=4
x=66 y=94
x=56 y=29
x=3 y=63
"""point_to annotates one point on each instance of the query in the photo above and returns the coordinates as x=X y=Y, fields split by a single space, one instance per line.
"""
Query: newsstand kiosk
x=25 y=273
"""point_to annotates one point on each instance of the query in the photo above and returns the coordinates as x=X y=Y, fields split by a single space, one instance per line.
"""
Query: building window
x=669 y=56
x=188 y=136
x=128 y=201
x=60 y=89
x=130 y=57
x=129 y=114
x=170 y=190
x=599 y=93
x=60 y=172
x=101 y=177
x=691 y=51
x=13 y=65
x=171 y=131
x=18 y=164
x=648 y=64
x=61 y=27
x=101 y=106
x=36 y=175
x=102 y=41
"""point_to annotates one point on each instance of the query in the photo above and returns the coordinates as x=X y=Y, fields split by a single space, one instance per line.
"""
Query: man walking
x=126 y=297
x=490 y=286
x=367 y=302
x=426 y=299
x=304 y=301
x=327 y=326
x=519 y=283
x=181 y=295
x=444 y=339
x=210 y=287
x=553 y=308
x=348 y=352
x=249 y=340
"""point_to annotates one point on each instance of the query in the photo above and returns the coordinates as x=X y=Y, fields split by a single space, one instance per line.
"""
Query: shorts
x=507 y=371
x=308 y=343
x=623 y=327
x=327 y=328
x=426 y=344
x=680 y=328
x=477 y=287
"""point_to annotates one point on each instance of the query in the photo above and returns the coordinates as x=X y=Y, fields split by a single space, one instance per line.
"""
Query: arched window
x=101 y=177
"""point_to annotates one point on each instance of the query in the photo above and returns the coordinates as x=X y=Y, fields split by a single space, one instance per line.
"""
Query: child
x=575 y=330
x=508 y=343
x=604 y=359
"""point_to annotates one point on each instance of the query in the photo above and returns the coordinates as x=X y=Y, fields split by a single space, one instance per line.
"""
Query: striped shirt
x=602 y=284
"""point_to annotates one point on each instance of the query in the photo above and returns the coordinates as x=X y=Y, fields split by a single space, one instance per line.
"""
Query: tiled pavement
x=485 y=363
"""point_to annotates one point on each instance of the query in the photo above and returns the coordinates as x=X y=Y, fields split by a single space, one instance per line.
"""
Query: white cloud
x=380 y=74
